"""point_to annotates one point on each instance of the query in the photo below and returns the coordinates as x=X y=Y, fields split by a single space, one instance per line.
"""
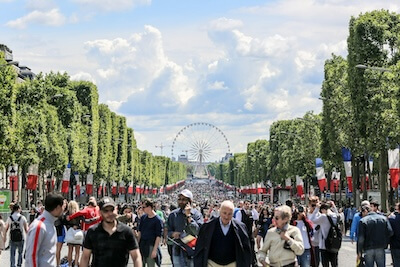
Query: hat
x=365 y=203
x=186 y=193
x=106 y=202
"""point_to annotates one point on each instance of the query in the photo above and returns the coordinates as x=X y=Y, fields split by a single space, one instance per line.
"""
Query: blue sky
x=164 y=64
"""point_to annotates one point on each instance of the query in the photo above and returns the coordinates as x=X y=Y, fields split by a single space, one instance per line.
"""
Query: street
x=347 y=255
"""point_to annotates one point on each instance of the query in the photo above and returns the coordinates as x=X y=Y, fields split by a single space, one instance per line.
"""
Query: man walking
x=223 y=241
x=183 y=221
x=18 y=226
x=149 y=235
x=110 y=242
x=248 y=215
x=41 y=239
x=395 y=239
x=373 y=237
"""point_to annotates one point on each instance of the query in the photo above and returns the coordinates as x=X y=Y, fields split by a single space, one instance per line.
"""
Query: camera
x=300 y=209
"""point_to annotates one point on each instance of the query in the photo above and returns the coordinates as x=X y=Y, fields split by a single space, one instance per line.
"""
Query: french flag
x=89 y=184
x=78 y=185
x=299 y=186
x=130 y=188
x=394 y=168
x=346 y=155
x=65 y=180
x=320 y=174
x=114 y=188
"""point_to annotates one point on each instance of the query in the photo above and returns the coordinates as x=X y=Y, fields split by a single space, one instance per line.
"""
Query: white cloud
x=50 y=18
x=217 y=85
x=224 y=24
x=43 y=5
x=111 y=5
x=83 y=76
x=140 y=73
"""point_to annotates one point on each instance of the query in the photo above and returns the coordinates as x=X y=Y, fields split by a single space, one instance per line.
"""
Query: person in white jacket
x=42 y=237
x=319 y=217
x=282 y=242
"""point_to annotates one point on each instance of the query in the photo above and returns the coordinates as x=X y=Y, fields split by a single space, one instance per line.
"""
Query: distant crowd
x=201 y=225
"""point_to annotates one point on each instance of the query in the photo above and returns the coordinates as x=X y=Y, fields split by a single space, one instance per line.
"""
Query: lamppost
x=365 y=156
x=12 y=181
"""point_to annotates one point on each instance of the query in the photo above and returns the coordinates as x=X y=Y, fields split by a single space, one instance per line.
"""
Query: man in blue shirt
x=355 y=222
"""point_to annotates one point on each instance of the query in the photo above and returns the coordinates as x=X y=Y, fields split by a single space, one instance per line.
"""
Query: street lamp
x=12 y=180
x=365 y=156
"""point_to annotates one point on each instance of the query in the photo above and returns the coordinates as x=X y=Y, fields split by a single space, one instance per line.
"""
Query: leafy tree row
x=52 y=121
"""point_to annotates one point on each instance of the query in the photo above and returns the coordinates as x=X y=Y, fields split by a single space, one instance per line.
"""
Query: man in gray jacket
x=42 y=237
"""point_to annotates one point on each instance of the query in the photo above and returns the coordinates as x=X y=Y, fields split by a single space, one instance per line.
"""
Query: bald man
x=223 y=241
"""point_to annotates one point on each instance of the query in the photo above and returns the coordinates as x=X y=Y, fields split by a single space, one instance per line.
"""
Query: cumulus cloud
x=111 y=5
x=139 y=72
x=43 y=5
x=49 y=18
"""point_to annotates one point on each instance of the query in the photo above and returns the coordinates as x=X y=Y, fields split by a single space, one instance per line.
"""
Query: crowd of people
x=201 y=225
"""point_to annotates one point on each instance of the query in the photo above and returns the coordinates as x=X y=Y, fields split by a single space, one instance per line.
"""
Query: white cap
x=186 y=193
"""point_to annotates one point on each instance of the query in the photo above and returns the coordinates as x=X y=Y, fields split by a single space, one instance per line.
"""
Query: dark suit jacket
x=243 y=252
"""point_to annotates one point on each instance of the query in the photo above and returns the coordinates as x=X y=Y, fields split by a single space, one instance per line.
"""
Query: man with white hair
x=223 y=241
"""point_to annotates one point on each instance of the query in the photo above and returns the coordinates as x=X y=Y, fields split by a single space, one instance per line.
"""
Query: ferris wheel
x=199 y=144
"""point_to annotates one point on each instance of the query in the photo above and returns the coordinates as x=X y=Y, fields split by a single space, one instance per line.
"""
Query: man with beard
x=111 y=242
x=183 y=221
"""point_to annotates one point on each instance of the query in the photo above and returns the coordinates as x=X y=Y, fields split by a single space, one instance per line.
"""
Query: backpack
x=15 y=232
x=333 y=241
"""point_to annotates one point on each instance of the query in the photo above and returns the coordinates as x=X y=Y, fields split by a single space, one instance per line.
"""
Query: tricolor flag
x=31 y=184
x=122 y=187
x=394 y=168
x=288 y=183
x=100 y=189
x=335 y=181
x=320 y=174
x=130 y=188
x=114 y=188
x=78 y=185
x=89 y=184
x=65 y=180
x=346 y=155
x=299 y=186
x=369 y=163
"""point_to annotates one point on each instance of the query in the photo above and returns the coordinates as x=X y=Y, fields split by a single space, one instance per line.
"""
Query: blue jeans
x=13 y=247
x=395 y=256
x=180 y=259
x=305 y=258
x=376 y=255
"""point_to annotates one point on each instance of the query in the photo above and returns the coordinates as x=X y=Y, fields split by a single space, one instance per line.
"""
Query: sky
x=166 y=65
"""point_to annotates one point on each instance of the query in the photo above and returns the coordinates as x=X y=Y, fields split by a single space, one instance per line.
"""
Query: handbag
x=361 y=262
x=74 y=236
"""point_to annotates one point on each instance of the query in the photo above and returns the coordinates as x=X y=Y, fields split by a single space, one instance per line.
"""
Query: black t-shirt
x=110 y=250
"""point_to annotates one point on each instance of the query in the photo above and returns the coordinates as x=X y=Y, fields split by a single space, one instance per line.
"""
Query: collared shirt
x=225 y=228
x=110 y=250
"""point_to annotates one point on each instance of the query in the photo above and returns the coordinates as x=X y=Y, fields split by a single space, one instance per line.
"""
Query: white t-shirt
x=22 y=223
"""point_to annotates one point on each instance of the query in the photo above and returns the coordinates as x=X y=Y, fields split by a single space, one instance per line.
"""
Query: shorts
x=61 y=238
